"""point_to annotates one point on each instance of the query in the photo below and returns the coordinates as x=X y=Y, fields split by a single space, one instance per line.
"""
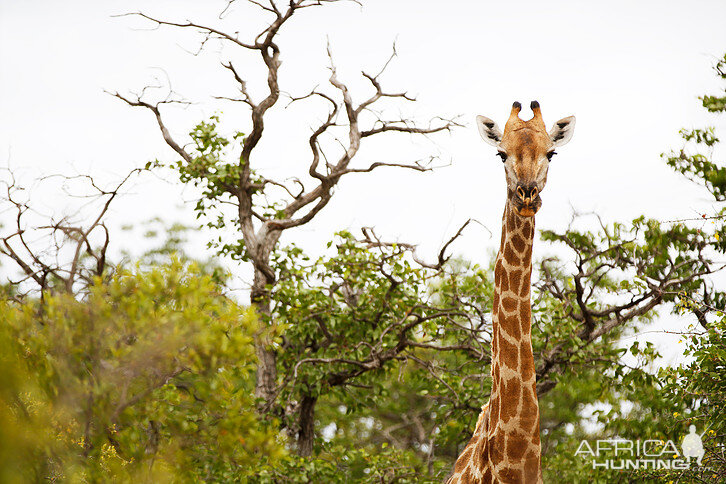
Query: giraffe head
x=526 y=149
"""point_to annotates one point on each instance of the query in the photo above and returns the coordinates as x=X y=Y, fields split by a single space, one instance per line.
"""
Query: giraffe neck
x=505 y=445
x=513 y=424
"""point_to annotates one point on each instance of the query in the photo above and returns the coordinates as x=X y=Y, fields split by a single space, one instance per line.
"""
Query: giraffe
x=505 y=446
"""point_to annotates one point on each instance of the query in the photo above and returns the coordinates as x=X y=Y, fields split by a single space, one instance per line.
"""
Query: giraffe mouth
x=525 y=199
x=527 y=208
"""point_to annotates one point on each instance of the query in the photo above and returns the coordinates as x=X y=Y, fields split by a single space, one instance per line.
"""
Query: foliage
x=339 y=464
x=330 y=307
x=147 y=378
x=364 y=335
x=217 y=179
x=696 y=391
x=699 y=166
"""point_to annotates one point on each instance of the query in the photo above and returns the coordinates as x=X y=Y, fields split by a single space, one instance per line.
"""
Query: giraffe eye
x=502 y=155
x=550 y=155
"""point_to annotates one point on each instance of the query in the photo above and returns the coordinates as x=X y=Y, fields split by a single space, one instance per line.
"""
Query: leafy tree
x=230 y=172
x=352 y=322
x=695 y=159
x=646 y=402
x=696 y=391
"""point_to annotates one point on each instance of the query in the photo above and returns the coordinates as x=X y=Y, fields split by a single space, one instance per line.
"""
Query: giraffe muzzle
x=527 y=199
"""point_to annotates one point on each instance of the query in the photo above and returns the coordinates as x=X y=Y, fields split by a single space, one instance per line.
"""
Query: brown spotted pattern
x=505 y=446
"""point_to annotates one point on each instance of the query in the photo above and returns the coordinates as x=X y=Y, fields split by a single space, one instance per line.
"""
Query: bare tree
x=327 y=166
x=57 y=255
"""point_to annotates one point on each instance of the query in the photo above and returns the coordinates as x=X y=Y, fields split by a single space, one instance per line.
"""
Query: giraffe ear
x=489 y=130
x=562 y=130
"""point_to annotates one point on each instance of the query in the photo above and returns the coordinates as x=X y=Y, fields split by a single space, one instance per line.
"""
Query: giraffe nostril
x=534 y=192
x=520 y=192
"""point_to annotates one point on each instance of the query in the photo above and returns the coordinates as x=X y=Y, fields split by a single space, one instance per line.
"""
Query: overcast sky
x=629 y=71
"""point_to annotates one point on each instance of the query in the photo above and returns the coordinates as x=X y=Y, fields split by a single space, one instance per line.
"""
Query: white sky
x=630 y=71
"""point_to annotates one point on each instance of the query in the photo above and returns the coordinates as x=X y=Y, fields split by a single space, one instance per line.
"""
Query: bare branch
x=404 y=126
x=164 y=131
x=417 y=166
x=202 y=28
x=38 y=264
x=242 y=84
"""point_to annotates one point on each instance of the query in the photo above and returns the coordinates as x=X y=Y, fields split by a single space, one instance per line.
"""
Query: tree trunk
x=266 y=359
x=306 y=435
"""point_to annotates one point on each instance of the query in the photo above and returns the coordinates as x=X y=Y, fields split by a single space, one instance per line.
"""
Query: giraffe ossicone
x=505 y=446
